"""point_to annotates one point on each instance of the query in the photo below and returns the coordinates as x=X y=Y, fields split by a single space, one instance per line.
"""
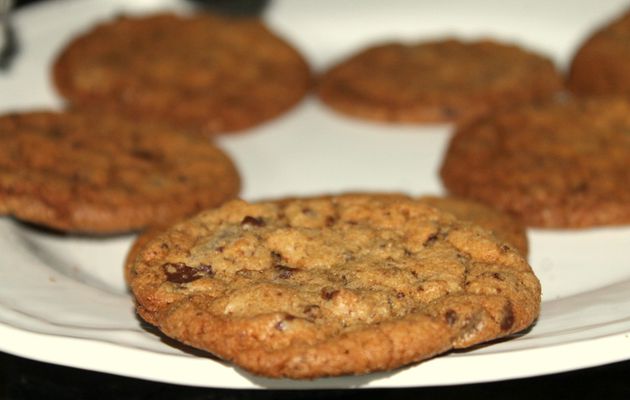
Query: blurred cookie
x=437 y=81
x=602 y=63
x=203 y=72
x=330 y=286
x=563 y=164
x=94 y=173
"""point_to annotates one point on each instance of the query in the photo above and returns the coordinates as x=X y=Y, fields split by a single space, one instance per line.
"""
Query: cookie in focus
x=331 y=286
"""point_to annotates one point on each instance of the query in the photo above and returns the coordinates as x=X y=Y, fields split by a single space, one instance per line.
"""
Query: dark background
x=26 y=379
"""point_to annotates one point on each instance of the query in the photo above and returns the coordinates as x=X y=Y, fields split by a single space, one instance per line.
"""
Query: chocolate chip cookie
x=203 y=72
x=98 y=174
x=331 y=286
x=437 y=81
x=601 y=64
x=562 y=164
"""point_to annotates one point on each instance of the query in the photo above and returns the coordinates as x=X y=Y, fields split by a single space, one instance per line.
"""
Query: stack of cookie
x=327 y=285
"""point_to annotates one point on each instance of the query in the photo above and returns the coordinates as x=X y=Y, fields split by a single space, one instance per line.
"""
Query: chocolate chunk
x=431 y=239
x=182 y=273
x=497 y=276
x=142 y=154
x=277 y=257
x=308 y=211
x=282 y=324
x=312 y=311
x=284 y=272
x=329 y=293
x=451 y=317
x=252 y=221
x=508 y=317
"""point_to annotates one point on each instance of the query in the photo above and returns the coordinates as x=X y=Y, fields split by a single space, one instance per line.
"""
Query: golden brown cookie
x=437 y=81
x=601 y=65
x=331 y=286
x=563 y=164
x=203 y=72
x=96 y=173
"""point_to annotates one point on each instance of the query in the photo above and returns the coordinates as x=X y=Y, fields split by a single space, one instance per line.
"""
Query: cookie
x=500 y=224
x=562 y=164
x=437 y=81
x=203 y=72
x=98 y=174
x=331 y=286
x=600 y=65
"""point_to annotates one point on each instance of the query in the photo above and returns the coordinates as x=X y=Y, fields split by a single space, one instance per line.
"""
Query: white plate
x=63 y=299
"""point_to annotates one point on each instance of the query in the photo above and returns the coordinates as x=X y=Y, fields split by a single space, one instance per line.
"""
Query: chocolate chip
x=497 y=276
x=312 y=311
x=182 y=273
x=505 y=248
x=580 y=187
x=329 y=293
x=143 y=154
x=400 y=295
x=451 y=317
x=284 y=272
x=252 y=221
x=277 y=257
x=431 y=239
x=507 y=321
x=330 y=221
x=308 y=211
x=282 y=324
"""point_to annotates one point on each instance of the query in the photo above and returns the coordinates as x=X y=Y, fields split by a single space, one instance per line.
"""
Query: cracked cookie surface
x=437 y=81
x=203 y=72
x=330 y=286
x=99 y=174
x=559 y=164
x=500 y=224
